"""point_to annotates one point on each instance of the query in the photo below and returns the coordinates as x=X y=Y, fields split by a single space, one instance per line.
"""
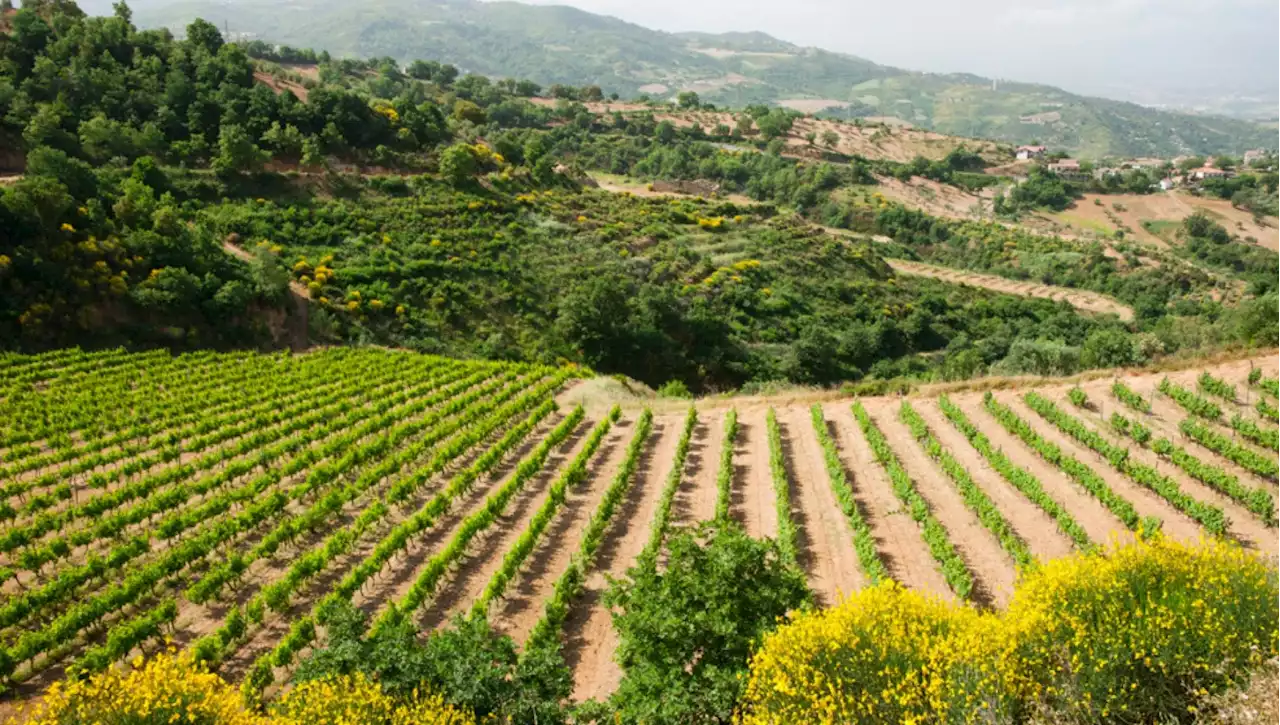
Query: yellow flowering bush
x=167 y=689
x=886 y=654
x=1146 y=631
x=357 y=700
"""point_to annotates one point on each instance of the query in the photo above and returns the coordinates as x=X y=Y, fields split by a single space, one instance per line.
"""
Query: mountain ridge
x=560 y=44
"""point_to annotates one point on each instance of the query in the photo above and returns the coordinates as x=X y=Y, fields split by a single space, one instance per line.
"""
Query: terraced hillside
x=226 y=499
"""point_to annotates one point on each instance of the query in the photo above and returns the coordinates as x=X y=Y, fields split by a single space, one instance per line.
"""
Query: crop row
x=1130 y=397
x=1216 y=387
x=787 y=542
x=974 y=497
x=1264 y=466
x=1018 y=477
x=1209 y=516
x=546 y=631
x=1265 y=437
x=864 y=540
x=1190 y=402
x=302 y=630
x=1256 y=500
x=724 y=474
x=1079 y=472
x=935 y=536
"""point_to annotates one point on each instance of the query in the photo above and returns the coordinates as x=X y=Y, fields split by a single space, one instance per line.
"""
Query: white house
x=1030 y=152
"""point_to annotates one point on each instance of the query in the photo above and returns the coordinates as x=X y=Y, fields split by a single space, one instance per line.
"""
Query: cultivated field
x=220 y=499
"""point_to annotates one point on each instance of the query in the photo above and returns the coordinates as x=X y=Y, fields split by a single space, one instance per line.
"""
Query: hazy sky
x=1112 y=47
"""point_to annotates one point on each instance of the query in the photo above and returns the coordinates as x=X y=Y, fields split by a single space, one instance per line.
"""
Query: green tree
x=237 y=152
x=830 y=138
x=1108 y=348
x=687 y=99
x=686 y=632
x=458 y=164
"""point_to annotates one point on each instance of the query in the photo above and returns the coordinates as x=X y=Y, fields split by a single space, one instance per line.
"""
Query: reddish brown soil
x=994 y=572
x=753 y=501
x=897 y=536
x=590 y=639
x=825 y=539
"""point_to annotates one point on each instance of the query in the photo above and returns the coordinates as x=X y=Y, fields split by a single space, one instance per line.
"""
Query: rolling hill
x=557 y=44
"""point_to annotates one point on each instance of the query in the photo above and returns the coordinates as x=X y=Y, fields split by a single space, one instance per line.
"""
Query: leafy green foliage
x=686 y=632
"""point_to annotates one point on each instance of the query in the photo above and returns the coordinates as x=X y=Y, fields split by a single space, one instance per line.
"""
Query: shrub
x=357 y=699
x=885 y=655
x=685 y=632
x=169 y=688
x=1144 y=632
x=674 y=389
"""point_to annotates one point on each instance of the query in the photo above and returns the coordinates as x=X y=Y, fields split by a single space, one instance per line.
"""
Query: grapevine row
x=864 y=541
x=662 y=517
x=724 y=474
x=935 y=536
x=781 y=491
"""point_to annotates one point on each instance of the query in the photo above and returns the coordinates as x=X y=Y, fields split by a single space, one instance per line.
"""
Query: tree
x=204 y=35
x=237 y=152
x=1108 y=348
x=687 y=631
x=830 y=138
x=458 y=164
x=687 y=99
x=744 y=125
x=665 y=132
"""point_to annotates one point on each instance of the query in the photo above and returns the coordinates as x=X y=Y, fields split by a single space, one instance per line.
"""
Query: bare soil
x=695 y=500
x=590 y=639
x=826 y=539
x=897 y=536
x=994 y=572
x=753 y=501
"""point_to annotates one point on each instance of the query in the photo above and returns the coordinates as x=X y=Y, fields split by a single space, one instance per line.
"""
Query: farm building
x=1030 y=152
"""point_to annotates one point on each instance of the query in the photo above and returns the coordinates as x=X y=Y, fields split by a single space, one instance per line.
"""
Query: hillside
x=556 y=44
x=410 y=491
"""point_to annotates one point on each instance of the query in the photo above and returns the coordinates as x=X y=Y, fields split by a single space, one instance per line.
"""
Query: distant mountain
x=557 y=44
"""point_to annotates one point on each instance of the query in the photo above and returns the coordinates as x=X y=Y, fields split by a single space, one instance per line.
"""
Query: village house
x=1030 y=152
x=1253 y=155
x=1068 y=169
x=1207 y=172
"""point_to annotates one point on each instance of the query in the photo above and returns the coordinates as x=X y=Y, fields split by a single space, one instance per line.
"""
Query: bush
x=167 y=689
x=674 y=389
x=1147 y=632
x=686 y=631
x=1144 y=632
x=885 y=655
x=357 y=699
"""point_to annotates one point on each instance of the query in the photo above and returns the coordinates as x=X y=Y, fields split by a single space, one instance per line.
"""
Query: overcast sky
x=1118 y=48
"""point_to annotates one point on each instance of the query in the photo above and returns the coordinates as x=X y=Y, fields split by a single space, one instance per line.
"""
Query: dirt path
x=520 y=610
x=1038 y=529
x=484 y=556
x=1100 y=524
x=1082 y=300
x=826 y=541
x=1144 y=500
x=1244 y=526
x=695 y=500
x=897 y=536
x=753 y=503
x=994 y=572
x=590 y=639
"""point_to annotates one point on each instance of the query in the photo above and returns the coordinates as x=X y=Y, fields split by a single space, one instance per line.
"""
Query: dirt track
x=1082 y=300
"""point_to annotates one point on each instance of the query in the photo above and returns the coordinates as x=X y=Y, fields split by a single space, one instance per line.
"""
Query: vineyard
x=230 y=502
